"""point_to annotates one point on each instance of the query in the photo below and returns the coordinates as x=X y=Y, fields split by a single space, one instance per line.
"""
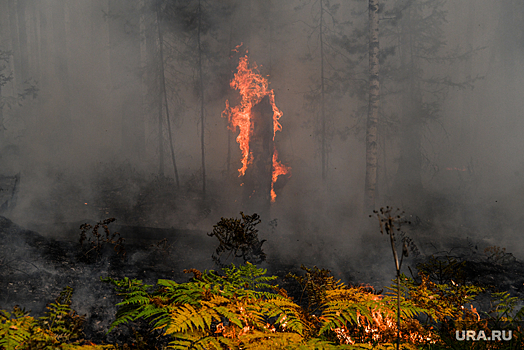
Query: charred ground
x=34 y=268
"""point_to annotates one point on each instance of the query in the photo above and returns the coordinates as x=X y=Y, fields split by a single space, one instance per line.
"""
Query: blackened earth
x=34 y=270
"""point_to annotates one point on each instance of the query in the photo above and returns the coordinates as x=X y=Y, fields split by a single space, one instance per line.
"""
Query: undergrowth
x=60 y=328
x=241 y=307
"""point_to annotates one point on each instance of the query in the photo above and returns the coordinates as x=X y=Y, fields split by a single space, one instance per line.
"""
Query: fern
x=212 y=310
x=241 y=309
x=188 y=318
x=258 y=340
x=504 y=307
x=317 y=344
x=60 y=325
x=200 y=341
x=61 y=320
x=345 y=307
x=288 y=315
x=315 y=284
x=438 y=301
x=15 y=328
x=135 y=296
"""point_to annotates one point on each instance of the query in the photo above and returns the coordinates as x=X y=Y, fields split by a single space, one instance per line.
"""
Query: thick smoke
x=95 y=141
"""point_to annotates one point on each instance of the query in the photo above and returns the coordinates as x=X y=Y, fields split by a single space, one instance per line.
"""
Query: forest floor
x=34 y=268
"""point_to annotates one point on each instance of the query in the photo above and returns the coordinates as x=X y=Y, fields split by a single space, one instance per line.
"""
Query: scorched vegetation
x=241 y=307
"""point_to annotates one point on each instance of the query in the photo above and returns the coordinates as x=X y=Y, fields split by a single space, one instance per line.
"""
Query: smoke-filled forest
x=261 y=174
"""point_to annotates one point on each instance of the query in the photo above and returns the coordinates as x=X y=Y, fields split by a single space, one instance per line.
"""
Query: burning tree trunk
x=257 y=119
x=258 y=177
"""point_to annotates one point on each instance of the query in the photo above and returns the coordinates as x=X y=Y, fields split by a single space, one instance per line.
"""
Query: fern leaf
x=287 y=312
x=257 y=340
x=15 y=329
x=198 y=340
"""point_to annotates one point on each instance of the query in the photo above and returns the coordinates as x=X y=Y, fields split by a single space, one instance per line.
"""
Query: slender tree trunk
x=127 y=57
x=4 y=59
x=322 y=97
x=1 y=118
x=15 y=44
x=22 y=37
x=43 y=39
x=467 y=122
x=34 y=43
x=160 y=138
x=61 y=62
x=373 y=107
x=202 y=115
x=163 y=78
x=155 y=87
x=408 y=179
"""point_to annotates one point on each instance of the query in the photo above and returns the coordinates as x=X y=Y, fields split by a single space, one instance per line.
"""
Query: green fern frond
x=158 y=316
x=199 y=341
x=231 y=316
x=289 y=314
x=188 y=318
x=15 y=329
x=258 y=340
x=60 y=321
x=340 y=314
x=505 y=305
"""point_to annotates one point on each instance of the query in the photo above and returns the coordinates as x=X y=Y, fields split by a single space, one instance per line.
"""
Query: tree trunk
x=22 y=37
x=15 y=44
x=202 y=115
x=61 y=64
x=43 y=39
x=160 y=138
x=2 y=143
x=34 y=43
x=408 y=180
x=373 y=107
x=4 y=32
x=322 y=97
x=163 y=80
x=154 y=83
x=258 y=177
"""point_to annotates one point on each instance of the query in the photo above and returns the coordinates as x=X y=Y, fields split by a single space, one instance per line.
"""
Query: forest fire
x=253 y=88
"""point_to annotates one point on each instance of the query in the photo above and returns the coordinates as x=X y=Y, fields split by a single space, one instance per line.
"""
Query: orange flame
x=253 y=87
x=278 y=169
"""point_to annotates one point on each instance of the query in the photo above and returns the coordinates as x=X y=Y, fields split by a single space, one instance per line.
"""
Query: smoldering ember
x=257 y=174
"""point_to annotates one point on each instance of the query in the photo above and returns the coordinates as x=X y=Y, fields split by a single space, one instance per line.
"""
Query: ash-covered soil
x=34 y=268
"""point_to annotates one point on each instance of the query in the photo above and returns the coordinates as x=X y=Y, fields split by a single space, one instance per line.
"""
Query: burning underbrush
x=129 y=291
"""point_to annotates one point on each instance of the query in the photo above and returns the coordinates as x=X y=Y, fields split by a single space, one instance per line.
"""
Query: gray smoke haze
x=87 y=146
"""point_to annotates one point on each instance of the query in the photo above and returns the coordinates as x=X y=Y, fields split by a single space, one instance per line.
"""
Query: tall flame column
x=256 y=118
